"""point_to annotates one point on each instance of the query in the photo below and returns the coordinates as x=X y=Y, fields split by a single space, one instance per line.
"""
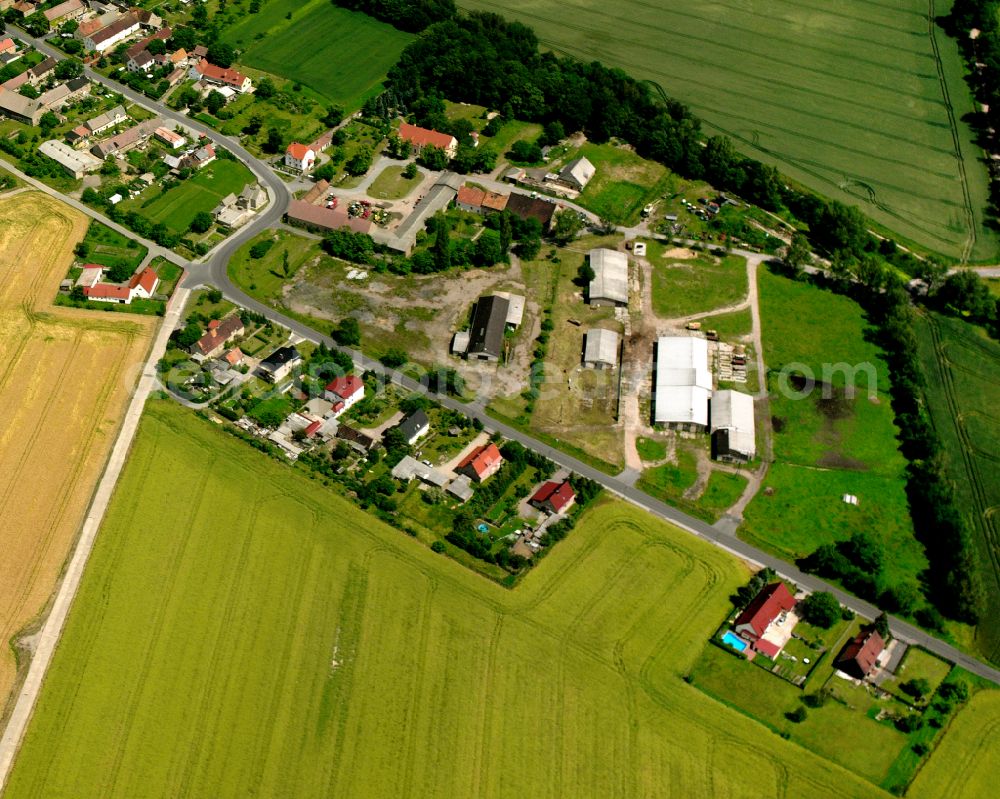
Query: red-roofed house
x=344 y=392
x=144 y=283
x=554 y=497
x=221 y=76
x=7 y=46
x=470 y=198
x=859 y=657
x=422 y=137
x=768 y=605
x=482 y=463
x=234 y=357
x=218 y=335
x=313 y=428
x=108 y=292
x=300 y=157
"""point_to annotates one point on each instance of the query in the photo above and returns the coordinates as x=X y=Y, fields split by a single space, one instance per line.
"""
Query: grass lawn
x=681 y=288
x=266 y=636
x=622 y=184
x=651 y=450
x=265 y=277
x=918 y=664
x=961 y=364
x=168 y=272
x=730 y=326
x=863 y=103
x=201 y=192
x=342 y=55
x=110 y=248
x=828 y=444
x=391 y=185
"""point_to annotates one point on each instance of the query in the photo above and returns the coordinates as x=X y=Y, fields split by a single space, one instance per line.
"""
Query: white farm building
x=610 y=283
x=733 y=430
x=682 y=383
x=601 y=349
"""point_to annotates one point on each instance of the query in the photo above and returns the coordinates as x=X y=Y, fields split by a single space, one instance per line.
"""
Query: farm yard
x=341 y=55
x=962 y=386
x=321 y=652
x=863 y=103
x=65 y=377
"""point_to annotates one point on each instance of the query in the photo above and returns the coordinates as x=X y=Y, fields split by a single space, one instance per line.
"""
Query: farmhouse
x=20 y=108
x=71 y=9
x=489 y=321
x=221 y=76
x=481 y=464
x=414 y=427
x=601 y=349
x=423 y=137
x=553 y=497
x=234 y=211
x=577 y=174
x=861 y=654
x=300 y=157
x=98 y=124
x=76 y=163
x=525 y=208
x=219 y=334
x=344 y=392
x=768 y=608
x=169 y=137
x=682 y=383
x=105 y=38
x=142 y=285
x=477 y=201
x=126 y=140
x=7 y=46
x=279 y=364
x=320 y=219
x=140 y=62
x=733 y=430
x=41 y=70
x=610 y=283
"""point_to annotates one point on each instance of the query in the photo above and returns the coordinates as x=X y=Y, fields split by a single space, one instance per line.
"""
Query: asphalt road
x=213 y=271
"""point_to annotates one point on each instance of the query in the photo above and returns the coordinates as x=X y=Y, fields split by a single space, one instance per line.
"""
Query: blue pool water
x=733 y=640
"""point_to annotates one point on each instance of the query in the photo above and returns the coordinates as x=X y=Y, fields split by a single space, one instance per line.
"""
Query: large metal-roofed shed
x=733 y=427
x=683 y=383
x=601 y=349
x=610 y=283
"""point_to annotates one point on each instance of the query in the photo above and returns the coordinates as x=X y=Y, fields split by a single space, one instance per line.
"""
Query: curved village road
x=213 y=271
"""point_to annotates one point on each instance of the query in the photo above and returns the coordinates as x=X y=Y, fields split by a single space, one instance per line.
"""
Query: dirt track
x=65 y=377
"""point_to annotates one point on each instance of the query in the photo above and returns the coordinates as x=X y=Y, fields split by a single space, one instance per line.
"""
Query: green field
x=391 y=185
x=862 y=102
x=201 y=192
x=963 y=380
x=681 y=288
x=341 y=55
x=110 y=248
x=248 y=633
x=622 y=184
x=828 y=444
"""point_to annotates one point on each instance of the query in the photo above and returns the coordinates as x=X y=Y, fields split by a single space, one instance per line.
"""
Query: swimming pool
x=733 y=640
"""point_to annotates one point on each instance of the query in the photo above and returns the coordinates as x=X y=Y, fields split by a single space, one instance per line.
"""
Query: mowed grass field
x=65 y=377
x=342 y=55
x=201 y=192
x=242 y=631
x=963 y=382
x=828 y=444
x=862 y=102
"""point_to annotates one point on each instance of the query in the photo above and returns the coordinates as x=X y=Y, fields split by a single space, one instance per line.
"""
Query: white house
x=169 y=137
x=344 y=392
x=300 y=157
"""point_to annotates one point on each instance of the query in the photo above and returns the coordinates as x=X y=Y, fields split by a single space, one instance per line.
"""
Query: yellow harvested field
x=65 y=378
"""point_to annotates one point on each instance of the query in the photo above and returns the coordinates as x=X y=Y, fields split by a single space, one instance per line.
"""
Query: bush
x=917 y=688
x=261 y=248
x=438 y=546
x=820 y=609
x=910 y=723
x=798 y=715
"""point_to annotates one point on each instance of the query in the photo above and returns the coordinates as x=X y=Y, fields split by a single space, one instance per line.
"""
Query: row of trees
x=408 y=15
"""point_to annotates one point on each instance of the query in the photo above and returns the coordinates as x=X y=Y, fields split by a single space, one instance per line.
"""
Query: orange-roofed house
x=108 y=292
x=482 y=463
x=300 y=157
x=423 y=137
x=554 y=497
x=144 y=283
x=221 y=76
x=7 y=46
x=470 y=199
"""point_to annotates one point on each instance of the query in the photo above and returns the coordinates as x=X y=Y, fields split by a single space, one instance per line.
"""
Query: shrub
x=438 y=546
x=798 y=715
x=820 y=609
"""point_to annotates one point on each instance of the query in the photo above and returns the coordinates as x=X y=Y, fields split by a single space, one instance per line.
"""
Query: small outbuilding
x=733 y=428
